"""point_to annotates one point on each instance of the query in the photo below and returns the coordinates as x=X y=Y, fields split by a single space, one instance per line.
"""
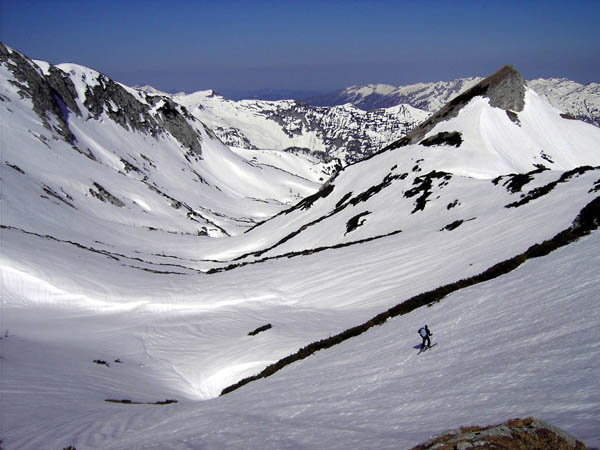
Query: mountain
x=80 y=143
x=272 y=94
x=425 y=96
x=342 y=132
x=487 y=140
x=580 y=101
x=123 y=320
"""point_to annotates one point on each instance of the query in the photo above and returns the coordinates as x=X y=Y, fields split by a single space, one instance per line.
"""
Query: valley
x=155 y=232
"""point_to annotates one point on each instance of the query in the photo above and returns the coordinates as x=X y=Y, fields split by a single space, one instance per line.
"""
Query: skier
x=425 y=333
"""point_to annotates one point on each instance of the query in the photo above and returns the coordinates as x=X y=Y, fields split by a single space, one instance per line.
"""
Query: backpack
x=422 y=332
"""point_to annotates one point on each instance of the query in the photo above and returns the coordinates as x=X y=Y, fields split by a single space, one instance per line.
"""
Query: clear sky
x=230 y=45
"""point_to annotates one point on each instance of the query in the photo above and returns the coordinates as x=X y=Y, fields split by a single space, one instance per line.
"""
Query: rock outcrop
x=54 y=97
x=522 y=434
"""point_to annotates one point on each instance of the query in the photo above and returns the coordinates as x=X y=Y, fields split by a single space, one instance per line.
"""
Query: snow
x=100 y=282
x=427 y=96
x=495 y=145
x=518 y=345
x=279 y=125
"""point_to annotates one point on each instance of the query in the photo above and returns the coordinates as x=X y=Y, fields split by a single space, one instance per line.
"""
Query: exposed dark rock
x=192 y=214
x=176 y=124
x=130 y=167
x=343 y=199
x=105 y=196
x=364 y=196
x=506 y=89
x=356 y=221
x=543 y=190
x=454 y=204
x=568 y=116
x=546 y=157
x=53 y=95
x=14 y=166
x=126 y=401
x=148 y=160
x=63 y=88
x=423 y=185
x=330 y=126
x=234 y=137
x=112 y=255
x=49 y=191
x=260 y=329
x=54 y=98
x=513 y=116
x=122 y=107
x=87 y=152
x=453 y=138
x=307 y=202
x=452 y=226
x=515 y=181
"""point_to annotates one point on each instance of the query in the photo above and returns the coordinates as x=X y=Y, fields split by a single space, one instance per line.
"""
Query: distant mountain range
x=343 y=132
x=352 y=123
x=580 y=101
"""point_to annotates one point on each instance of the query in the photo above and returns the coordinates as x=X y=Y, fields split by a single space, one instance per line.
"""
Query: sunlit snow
x=166 y=288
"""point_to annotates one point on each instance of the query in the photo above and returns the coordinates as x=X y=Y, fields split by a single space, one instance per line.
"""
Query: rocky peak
x=505 y=89
x=53 y=95
x=54 y=98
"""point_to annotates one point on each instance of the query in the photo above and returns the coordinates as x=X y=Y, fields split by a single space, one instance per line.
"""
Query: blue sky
x=307 y=45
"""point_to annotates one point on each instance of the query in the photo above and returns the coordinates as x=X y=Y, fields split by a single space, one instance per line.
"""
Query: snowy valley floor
x=523 y=344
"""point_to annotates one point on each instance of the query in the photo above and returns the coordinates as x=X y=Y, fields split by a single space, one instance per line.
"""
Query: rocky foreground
x=525 y=434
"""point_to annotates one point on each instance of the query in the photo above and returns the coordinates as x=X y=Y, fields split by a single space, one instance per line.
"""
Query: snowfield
x=524 y=344
x=136 y=258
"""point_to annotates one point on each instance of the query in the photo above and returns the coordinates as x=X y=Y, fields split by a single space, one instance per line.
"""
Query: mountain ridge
x=581 y=101
x=135 y=251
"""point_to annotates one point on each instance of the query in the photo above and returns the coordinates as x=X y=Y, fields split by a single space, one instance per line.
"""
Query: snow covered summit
x=139 y=253
x=500 y=126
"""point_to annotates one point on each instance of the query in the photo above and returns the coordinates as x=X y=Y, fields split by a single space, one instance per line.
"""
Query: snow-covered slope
x=170 y=312
x=343 y=132
x=422 y=183
x=84 y=149
x=578 y=100
x=521 y=344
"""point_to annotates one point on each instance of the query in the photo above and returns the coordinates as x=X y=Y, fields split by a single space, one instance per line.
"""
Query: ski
x=425 y=349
